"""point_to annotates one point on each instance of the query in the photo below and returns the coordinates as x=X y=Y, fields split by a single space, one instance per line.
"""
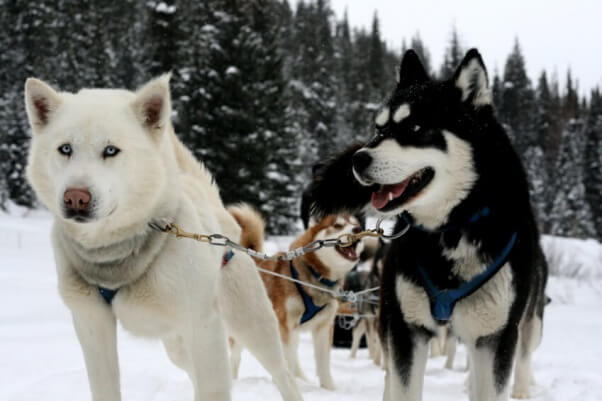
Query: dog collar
x=311 y=309
x=444 y=301
x=107 y=294
x=227 y=257
x=323 y=280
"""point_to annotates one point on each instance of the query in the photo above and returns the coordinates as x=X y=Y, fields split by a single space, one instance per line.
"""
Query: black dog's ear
x=335 y=190
x=411 y=70
x=471 y=78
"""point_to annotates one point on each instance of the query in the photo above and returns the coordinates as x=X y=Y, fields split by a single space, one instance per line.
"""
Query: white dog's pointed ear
x=471 y=78
x=411 y=70
x=152 y=105
x=41 y=102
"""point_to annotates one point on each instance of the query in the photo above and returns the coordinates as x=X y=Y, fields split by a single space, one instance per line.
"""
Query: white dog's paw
x=328 y=384
x=521 y=394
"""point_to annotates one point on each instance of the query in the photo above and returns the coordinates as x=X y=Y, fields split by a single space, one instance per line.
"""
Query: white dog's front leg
x=206 y=344
x=322 y=344
x=96 y=330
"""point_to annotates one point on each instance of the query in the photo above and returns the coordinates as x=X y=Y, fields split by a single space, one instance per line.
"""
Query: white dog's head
x=97 y=157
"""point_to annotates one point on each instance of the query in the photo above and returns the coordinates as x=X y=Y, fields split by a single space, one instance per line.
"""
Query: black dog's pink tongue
x=387 y=193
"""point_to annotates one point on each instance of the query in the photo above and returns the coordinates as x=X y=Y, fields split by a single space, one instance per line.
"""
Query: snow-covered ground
x=40 y=358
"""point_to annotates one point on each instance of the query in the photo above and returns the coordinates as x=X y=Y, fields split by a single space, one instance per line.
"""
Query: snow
x=41 y=358
x=165 y=9
x=232 y=70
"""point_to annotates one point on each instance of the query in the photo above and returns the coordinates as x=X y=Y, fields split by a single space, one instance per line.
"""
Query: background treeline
x=263 y=90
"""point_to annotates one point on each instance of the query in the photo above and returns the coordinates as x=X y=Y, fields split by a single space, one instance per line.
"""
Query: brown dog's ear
x=41 y=102
x=152 y=105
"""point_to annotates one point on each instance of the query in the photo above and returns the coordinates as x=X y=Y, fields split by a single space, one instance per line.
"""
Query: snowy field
x=40 y=358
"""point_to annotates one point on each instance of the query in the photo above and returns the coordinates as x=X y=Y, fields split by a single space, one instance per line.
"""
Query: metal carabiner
x=394 y=235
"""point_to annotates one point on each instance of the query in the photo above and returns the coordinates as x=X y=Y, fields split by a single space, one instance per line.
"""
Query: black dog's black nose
x=361 y=160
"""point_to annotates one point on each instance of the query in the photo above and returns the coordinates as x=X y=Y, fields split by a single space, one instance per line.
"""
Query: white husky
x=106 y=162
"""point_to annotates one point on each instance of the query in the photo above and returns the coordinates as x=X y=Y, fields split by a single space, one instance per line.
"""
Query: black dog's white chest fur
x=480 y=314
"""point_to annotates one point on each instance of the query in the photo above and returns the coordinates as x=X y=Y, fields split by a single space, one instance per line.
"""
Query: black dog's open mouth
x=388 y=197
x=348 y=252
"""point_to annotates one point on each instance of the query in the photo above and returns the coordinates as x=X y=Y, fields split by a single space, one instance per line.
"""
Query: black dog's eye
x=416 y=128
x=110 y=151
x=65 y=149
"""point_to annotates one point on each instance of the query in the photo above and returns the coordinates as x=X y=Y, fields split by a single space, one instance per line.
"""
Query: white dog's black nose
x=361 y=160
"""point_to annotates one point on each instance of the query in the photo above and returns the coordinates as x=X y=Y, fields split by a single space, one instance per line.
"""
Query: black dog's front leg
x=491 y=360
x=406 y=352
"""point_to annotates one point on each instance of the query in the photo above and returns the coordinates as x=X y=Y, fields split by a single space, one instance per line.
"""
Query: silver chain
x=343 y=241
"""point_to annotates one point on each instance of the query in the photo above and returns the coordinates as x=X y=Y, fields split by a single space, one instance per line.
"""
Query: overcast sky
x=554 y=34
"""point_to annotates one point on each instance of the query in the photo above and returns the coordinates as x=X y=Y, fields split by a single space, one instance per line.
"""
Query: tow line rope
x=343 y=241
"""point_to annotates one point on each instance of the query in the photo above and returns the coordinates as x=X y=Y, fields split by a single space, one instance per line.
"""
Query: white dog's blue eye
x=110 y=151
x=65 y=149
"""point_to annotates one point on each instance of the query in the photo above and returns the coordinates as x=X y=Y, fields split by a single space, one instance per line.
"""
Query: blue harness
x=311 y=309
x=108 y=294
x=444 y=301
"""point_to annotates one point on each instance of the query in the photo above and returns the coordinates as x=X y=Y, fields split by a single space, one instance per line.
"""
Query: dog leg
x=205 y=342
x=174 y=346
x=450 y=351
x=290 y=349
x=491 y=364
x=377 y=350
x=96 y=330
x=322 y=344
x=371 y=338
x=357 y=333
x=252 y=323
x=235 y=353
x=530 y=337
x=405 y=373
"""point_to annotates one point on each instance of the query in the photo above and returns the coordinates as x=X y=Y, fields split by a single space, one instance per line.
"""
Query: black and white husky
x=442 y=164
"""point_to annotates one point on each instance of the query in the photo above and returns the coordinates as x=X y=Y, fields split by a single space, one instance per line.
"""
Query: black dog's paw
x=335 y=190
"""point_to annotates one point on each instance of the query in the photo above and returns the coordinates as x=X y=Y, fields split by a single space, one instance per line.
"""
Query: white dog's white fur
x=169 y=289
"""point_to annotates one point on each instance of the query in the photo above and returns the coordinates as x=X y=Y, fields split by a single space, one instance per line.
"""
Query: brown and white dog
x=300 y=308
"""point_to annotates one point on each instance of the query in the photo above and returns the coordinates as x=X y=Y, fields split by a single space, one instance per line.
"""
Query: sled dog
x=300 y=308
x=368 y=307
x=106 y=162
x=471 y=260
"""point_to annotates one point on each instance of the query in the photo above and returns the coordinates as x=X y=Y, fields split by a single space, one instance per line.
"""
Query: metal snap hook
x=394 y=235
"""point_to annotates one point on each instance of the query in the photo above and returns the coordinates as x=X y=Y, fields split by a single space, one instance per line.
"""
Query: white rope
x=335 y=294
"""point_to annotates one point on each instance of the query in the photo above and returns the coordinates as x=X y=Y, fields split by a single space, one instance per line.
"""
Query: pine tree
x=237 y=127
x=376 y=61
x=453 y=56
x=593 y=161
x=163 y=34
x=570 y=101
x=571 y=215
x=418 y=46
x=535 y=158
x=517 y=101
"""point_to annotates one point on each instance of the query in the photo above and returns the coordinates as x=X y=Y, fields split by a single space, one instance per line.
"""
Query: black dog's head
x=421 y=157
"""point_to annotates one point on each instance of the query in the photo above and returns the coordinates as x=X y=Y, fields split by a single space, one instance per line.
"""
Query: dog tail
x=252 y=224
